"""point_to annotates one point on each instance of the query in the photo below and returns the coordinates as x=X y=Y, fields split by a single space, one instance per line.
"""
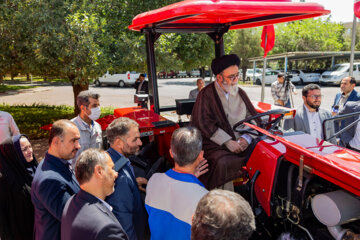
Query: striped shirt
x=278 y=92
x=171 y=200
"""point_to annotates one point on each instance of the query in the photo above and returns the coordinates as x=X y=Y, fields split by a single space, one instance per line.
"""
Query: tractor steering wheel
x=274 y=123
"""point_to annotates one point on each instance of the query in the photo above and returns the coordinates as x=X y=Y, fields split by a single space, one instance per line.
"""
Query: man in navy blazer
x=124 y=138
x=350 y=137
x=86 y=215
x=348 y=94
x=54 y=182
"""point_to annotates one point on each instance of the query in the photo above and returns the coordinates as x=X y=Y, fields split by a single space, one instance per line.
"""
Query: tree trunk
x=1 y=78
x=77 y=88
x=202 y=71
x=27 y=76
x=13 y=75
x=244 y=74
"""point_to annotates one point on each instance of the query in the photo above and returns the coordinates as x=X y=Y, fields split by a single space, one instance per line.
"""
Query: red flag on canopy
x=357 y=8
x=268 y=38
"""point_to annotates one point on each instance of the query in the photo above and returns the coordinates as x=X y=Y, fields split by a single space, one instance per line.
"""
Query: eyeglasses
x=315 y=96
x=232 y=77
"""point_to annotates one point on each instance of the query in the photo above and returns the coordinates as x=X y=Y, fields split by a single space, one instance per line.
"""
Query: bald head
x=59 y=128
x=347 y=84
x=64 y=139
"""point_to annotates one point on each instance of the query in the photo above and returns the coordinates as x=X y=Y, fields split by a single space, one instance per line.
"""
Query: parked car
x=194 y=73
x=306 y=76
x=271 y=76
x=338 y=72
x=181 y=74
x=164 y=74
x=250 y=75
x=119 y=79
x=207 y=73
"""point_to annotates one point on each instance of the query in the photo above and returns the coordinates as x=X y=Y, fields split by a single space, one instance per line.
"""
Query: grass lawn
x=4 y=88
x=29 y=118
x=39 y=79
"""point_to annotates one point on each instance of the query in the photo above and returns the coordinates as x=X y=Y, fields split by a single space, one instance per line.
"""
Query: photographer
x=281 y=90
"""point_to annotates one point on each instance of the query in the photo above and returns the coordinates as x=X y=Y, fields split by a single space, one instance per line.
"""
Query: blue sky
x=341 y=10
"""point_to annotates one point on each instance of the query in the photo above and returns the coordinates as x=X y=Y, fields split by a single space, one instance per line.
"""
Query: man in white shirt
x=8 y=127
x=310 y=116
x=90 y=130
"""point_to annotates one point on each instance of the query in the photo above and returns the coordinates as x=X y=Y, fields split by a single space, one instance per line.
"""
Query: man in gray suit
x=86 y=215
x=351 y=137
x=309 y=117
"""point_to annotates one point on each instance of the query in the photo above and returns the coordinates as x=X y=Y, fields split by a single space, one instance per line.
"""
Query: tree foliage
x=82 y=39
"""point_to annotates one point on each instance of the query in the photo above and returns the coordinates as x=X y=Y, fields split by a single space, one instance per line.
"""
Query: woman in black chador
x=17 y=168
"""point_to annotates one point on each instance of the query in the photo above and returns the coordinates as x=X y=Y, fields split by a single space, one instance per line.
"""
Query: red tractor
x=299 y=187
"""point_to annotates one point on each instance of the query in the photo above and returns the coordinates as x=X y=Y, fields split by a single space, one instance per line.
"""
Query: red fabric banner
x=268 y=33
x=357 y=8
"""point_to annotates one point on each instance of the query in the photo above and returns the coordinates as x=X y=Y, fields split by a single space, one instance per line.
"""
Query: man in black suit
x=86 y=215
x=141 y=85
x=54 y=182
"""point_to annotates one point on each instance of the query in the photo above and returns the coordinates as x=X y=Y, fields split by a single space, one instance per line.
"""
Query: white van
x=119 y=79
x=338 y=72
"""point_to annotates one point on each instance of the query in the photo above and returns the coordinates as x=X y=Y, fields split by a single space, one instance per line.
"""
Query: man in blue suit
x=348 y=94
x=124 y=138
x=86 y=215
x=54 y=182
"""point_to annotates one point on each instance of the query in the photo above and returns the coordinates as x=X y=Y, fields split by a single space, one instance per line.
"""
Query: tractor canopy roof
x=211 y=15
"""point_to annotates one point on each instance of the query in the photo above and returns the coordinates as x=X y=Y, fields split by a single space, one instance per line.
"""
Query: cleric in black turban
x=218 y=107
x=223 y=62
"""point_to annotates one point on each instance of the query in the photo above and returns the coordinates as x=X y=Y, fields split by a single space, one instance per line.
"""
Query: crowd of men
x=80 y=190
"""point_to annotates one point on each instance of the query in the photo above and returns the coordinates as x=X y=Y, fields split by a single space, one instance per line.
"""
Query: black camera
x=287 y=77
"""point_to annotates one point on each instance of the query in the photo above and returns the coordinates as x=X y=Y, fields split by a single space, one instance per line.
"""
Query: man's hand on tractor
x=234 y=146
x=202 y=168
x=243 y=144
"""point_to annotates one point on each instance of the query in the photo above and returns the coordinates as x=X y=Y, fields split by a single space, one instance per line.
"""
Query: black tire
x=97 y=83
x=258 y=82
x=121 y=84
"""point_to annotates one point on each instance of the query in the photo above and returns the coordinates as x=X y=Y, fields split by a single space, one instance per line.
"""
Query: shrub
x=30 y=118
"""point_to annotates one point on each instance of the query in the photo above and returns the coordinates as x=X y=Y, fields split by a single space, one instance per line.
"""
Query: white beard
x=233 y=90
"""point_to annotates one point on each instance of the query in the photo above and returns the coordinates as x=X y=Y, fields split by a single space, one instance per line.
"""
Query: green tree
x=65 y=43
x=246 y=43
x=15 y=38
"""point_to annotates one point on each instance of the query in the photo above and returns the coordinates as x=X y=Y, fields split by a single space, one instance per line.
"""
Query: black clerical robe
x=208 y=115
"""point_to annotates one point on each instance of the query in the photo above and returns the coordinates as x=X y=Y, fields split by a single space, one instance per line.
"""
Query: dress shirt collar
x=346 y=95
x=85 y=123
x=105 y=203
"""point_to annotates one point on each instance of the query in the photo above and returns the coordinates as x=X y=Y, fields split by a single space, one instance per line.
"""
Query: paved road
x=169 y=90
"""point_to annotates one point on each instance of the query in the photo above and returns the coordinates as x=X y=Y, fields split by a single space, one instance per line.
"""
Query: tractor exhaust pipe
x=334 y=209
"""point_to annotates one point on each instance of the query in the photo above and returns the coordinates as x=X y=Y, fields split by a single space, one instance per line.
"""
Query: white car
x=338 y=72
x=306 y=76
x=194 y=73
x=119 y=79
x=250 y=75
x=271 y=76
